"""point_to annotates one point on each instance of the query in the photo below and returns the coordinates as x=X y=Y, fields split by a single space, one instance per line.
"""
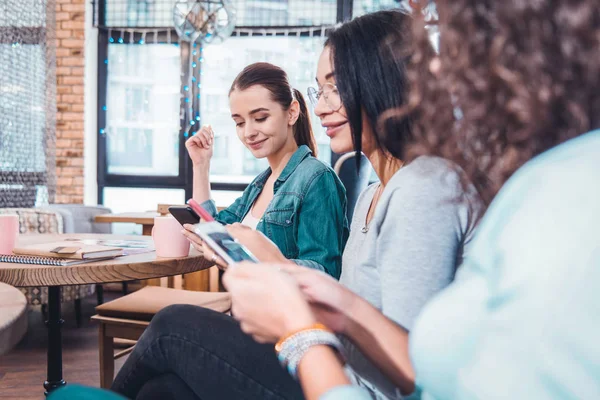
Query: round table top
x=119 y=269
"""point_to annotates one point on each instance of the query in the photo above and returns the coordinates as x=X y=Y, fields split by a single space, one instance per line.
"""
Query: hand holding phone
x=184 y=214
x=218 y=239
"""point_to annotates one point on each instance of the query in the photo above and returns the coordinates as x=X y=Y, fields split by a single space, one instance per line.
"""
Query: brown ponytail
x=303 y=132
x=275 y=80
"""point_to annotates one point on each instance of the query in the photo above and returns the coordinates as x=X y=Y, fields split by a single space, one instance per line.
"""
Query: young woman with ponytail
x=298 y=202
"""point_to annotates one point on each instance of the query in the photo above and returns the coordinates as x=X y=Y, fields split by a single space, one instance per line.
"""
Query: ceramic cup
x=9 y=232
x=168 y=240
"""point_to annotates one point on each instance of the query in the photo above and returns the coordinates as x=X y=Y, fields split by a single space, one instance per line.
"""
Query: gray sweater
x=410 y=250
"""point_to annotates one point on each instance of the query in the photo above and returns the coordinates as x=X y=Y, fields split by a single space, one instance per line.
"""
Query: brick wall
x=70 y=32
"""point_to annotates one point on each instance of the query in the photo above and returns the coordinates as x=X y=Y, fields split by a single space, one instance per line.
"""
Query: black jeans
x=209 y=355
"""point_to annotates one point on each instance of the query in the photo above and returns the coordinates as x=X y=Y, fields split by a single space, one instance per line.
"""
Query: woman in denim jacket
x=298 y=202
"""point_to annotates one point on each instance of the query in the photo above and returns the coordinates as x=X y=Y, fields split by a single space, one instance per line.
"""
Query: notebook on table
x=69 y=250
x=38 y=260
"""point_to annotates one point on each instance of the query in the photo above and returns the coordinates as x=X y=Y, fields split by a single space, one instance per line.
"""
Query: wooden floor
x=23 y=370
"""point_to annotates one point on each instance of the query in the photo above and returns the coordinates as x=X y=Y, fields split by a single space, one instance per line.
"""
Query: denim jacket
x=306 y=218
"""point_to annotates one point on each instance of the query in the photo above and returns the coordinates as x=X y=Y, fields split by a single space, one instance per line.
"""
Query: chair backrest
x=79 y=218
x=355 y=181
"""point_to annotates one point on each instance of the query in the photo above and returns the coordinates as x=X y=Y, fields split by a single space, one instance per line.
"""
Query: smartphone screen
x=234 y=250
x=223 y=244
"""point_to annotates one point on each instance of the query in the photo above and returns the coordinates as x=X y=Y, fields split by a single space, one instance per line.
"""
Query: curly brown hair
x=524 y=76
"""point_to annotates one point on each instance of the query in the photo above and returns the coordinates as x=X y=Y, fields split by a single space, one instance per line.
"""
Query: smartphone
x=184 y=214
x=200 y=210
x=218 y=239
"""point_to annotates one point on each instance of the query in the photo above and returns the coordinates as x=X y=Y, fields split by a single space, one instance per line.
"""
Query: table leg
x=54 y=324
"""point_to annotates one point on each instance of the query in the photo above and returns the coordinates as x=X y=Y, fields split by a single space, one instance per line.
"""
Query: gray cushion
x=79 y=218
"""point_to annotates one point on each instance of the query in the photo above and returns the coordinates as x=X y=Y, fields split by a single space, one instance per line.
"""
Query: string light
x=198 y=52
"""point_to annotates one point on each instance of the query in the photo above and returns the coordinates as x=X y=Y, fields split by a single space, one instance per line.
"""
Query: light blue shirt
x=522 y=319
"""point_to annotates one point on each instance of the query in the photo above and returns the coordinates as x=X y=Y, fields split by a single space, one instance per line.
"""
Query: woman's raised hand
x=200 y=146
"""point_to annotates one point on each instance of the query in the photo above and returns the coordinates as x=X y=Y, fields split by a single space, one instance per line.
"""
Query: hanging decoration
x=204 y=21
x=199 y=22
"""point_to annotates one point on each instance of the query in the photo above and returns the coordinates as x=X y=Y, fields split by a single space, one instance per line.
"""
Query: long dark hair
x=524 y=75
x=368 y=57
x=275 y=80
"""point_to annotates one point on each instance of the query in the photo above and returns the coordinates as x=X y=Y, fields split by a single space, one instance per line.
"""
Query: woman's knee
x=182 y=317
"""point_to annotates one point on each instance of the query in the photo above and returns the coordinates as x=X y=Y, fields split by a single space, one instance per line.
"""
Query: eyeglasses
x=330 y=92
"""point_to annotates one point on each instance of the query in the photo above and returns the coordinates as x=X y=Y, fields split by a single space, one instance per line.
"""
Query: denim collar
x=299 y=155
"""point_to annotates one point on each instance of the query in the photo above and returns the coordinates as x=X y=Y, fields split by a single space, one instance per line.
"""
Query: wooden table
x=146 y=219
x=126 y=268
x=199 y=281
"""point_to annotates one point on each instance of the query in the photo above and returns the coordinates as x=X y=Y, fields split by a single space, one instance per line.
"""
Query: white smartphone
x=216 y=236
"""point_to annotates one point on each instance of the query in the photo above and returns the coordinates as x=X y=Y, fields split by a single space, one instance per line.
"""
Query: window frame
x=184 y=178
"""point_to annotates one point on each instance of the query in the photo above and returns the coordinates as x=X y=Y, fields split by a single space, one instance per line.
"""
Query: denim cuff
x=210 y=206
x=309 y=264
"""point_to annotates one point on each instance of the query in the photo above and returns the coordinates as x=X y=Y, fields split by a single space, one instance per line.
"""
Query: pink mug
x=9 y=232
x=168 y=240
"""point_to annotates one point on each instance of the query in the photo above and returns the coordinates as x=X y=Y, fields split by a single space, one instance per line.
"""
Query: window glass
x=142 y=109
x=138 y=200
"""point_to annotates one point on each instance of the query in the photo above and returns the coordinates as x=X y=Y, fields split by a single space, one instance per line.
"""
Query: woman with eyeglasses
x=272 y=121
x=521 y=320
x=407 y=238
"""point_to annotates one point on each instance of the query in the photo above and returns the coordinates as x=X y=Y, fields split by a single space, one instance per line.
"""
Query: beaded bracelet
x=292 y=348
x=316 y=326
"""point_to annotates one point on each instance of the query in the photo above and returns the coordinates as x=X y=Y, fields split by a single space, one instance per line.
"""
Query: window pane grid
x=159 y=13
x=361 y=7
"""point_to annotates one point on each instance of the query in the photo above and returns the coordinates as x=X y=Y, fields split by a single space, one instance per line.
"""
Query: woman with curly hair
x=521 y=319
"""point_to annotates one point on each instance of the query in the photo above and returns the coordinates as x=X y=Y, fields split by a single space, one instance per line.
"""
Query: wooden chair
x=127 y=318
